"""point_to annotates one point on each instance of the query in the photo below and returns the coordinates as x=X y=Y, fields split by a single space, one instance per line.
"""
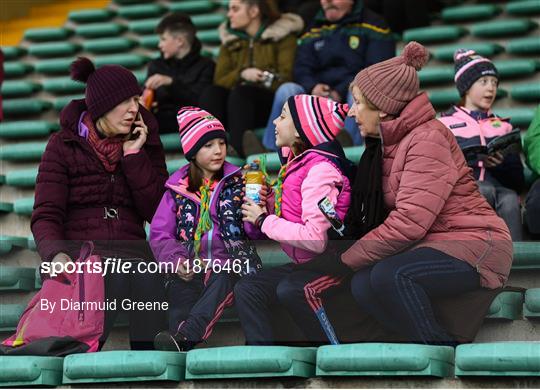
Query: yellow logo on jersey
x=354 y=42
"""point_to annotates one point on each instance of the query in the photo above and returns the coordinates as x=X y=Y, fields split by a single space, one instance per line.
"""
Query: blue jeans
x=287 y=90
x=397 y=290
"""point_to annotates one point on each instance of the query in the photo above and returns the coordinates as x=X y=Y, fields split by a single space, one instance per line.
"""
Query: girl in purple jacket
x=198 y=235
x=314 y=168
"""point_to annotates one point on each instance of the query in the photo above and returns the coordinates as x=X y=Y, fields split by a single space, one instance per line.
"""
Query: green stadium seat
x=127 y=60
x=63 y=85
x=529 y=92
x=17 y=88
x=211 y=53
x=174 y=165
x=511 y=358
x=141 y=11
x=24 y=151
x=33 y=247
x=471 y=12
x=23 y=206
x=38 y=283
x=99 y=30
x=126 y=2
x=30 y=371
x=5 y=247
x=272 y=255
x=47 y=34
x=27 y=129
x=124 y=366
x=109 y=45
x=446 y=97
x=94 y=15
x=434 y=34
x=208 y=20
x=519 y=117
x=250 y=362
x=507 y=305
x=63 y=101
x=149 y=41
x=486 y=49
x=17 y=69
x=524 y=8
x=531 y=307
x=209 y=36
x=436 y=75
x=526 y=254
x=25 y=107
x=6 y=207
x=146 y=26
x=524 y=46
x=500 y=28
x=171 y=142
x=9 y=317
x=13 y=52
x=20 y=242
x=192 y=6
x=516 y=67
x=14 y=279
x=54 y=66
x=381 y=359
x=22 y=177
x=53 y=49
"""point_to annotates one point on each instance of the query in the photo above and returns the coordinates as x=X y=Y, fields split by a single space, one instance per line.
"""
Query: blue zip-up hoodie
x=333 y=53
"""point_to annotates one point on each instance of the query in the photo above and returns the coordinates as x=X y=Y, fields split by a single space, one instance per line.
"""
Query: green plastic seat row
x=8 y=242
x=63 y=101
x=13 y=52
x=54 y=66
x=99 y=30
x=17 y=69
x=53 y=49
x=500 y=28
x=174 y=165
x=25 y=107
x=486 y=49
x=9 y=317
x=517 y=358
x=192 y=6
x=27 y=151
x=6 y=207
x=61 y=65
x=526 y=254
x=471 y=12
x=434 y=34
x=27 y=129
x=508 y=305
x=141 y=11
x=209 y=36
x=109 y=45
x=529 y=92
x=47 y=34
x=449 y=96
x=22 y=177
x=23 y=206
x=148 y=26
x=524 y=8
x=15 y=279
x=524 y=46
x=18 y=88
x=93 y=15
x=62 y=85
x=30 y=371
x=531 y=307
x=519 y=117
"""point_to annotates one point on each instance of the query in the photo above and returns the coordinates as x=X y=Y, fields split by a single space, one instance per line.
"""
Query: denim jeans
x=287 y=90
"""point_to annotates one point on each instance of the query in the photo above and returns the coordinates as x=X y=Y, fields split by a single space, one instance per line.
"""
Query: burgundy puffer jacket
x=77 y=199
x=433 y=200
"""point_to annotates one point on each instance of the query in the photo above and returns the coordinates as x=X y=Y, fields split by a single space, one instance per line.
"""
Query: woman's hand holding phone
x=137 y=136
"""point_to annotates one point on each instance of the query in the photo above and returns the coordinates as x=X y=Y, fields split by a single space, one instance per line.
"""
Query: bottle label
x=252 y=192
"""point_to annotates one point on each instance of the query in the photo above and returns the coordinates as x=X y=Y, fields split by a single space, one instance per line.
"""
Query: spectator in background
x=532 y=152
x=256 y=56
x=473 y=123
x=180 y=74
x=1 y=81
x=344 y=38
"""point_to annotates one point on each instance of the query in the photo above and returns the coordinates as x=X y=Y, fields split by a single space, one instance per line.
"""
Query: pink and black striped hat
x=470 y=67
x=197 y=127
x=316 y=118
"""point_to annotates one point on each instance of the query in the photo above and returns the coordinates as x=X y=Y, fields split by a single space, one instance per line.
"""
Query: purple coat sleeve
x=165 y=246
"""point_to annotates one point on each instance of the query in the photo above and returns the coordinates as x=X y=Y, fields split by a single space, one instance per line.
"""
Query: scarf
x=108 y=150
x=367 y=209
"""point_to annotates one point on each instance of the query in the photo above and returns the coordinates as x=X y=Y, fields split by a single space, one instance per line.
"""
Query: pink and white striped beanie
x=197 y=127
x=317 y=119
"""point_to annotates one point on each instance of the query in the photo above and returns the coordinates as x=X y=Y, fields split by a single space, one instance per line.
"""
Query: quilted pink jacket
x=433 y=200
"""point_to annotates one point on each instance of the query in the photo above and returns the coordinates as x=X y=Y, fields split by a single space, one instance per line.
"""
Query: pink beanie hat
x=316 y=118
x=392 y=84
x=197 y=127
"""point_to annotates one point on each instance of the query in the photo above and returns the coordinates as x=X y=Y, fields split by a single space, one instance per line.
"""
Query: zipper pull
x=112 y=178
x=81 y=315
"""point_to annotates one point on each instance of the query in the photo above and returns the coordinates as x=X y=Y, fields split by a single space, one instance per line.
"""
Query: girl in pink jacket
x=315 y=167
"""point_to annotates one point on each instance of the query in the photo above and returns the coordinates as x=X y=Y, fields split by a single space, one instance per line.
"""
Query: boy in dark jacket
x=180 y=74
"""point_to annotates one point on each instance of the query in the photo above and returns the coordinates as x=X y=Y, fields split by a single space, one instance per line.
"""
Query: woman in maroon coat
x=100 y=178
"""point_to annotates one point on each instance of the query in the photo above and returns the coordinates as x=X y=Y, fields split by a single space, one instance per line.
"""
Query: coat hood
x=287 y=24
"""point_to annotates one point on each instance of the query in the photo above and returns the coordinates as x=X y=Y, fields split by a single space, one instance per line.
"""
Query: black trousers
x=300 y=292
x=136 y=287
x=245 y=107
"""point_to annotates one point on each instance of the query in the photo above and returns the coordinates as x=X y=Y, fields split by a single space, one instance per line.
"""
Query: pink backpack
x=64 y=330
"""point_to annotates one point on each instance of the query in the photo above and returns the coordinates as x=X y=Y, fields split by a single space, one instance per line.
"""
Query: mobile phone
x=133 y=136
x=327 y=208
